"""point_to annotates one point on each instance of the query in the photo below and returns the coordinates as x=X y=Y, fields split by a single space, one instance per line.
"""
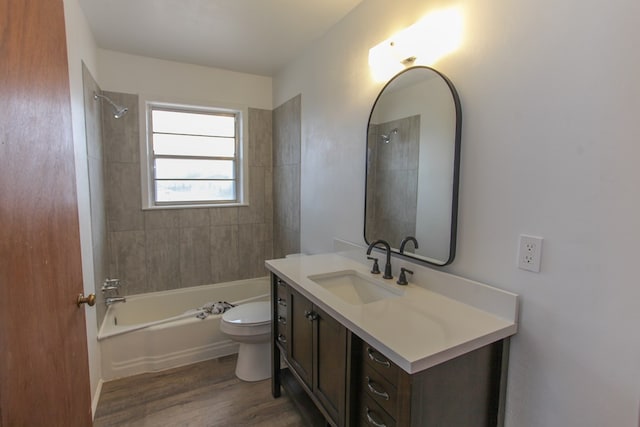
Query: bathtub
x=160 y=330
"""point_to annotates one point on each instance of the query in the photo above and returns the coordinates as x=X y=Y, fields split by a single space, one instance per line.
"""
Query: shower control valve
x=111 y=285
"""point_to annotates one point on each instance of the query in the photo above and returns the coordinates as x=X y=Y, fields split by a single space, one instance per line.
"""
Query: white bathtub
x=156 y=331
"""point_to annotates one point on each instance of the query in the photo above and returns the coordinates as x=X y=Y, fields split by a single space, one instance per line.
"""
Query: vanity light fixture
x=423 y=43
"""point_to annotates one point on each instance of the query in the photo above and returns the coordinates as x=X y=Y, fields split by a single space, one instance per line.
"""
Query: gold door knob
x=91 y=300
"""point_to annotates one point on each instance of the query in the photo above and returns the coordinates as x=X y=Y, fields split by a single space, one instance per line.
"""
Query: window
x=193 y=156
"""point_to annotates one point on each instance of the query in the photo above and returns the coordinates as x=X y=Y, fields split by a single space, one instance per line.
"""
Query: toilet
x=250 y=325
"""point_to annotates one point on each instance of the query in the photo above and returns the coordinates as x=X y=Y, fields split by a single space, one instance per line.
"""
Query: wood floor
x=205 y=394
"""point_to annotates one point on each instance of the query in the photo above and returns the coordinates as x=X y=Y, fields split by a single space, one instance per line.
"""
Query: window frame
x=147 y=105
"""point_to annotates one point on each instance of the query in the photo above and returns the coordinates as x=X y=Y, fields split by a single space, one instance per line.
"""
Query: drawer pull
x=371 y=352
x=371 y=420
x=282 y=302
x=281 y=282
x=282 y=320
x=282 y=339
x=383 y=394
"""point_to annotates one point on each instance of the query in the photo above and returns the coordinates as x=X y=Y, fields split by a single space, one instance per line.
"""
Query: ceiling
x=249 y=36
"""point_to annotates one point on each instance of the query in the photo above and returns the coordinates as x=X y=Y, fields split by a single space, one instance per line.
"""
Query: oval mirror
x=413 y=163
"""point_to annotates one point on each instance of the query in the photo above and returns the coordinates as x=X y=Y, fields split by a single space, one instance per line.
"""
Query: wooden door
x=301 y=337
x=44 y=376
x=330 y=373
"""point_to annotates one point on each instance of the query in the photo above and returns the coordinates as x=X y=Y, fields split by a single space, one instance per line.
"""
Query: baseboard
x=96 y=399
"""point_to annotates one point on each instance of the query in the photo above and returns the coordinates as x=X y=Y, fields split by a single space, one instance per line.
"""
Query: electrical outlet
x=529 y=253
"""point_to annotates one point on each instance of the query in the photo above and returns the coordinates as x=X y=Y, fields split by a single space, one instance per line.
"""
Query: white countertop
x=420 y=328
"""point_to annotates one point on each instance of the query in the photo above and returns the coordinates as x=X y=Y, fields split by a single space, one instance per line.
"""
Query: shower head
x=118 y=110
x=386 y=138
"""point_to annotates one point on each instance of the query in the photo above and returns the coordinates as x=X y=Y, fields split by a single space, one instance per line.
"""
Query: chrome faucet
x=387 y=248
x=111 y=285
x=112 y=300
x=406 y=240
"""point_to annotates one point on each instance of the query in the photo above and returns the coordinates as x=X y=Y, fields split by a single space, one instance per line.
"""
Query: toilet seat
x=250 y=314
x=251 y=319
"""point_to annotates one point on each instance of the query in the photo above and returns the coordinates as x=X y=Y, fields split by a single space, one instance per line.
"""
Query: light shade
x=434 y=36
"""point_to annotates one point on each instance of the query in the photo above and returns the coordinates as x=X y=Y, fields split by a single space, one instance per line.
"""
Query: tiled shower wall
x=154 y=250
x=286 y=177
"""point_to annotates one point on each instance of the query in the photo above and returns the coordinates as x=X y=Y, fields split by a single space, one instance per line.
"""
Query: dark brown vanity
x=351 y=383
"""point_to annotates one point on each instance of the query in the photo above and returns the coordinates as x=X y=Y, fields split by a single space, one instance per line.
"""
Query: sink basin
x=354 y=287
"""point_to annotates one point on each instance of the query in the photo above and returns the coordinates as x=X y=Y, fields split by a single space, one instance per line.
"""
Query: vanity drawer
x=376 y=360
x=379 y=389
x=372 y=415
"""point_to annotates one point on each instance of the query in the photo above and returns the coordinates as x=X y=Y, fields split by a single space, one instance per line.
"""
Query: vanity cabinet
x=315 y=347
x=352 y=383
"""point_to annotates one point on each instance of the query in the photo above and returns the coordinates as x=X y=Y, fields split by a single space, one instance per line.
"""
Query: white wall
x=81 y=47
x=550 y=104
x=121 y=72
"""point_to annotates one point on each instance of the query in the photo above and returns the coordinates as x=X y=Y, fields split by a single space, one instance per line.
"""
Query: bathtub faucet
x=112 y=300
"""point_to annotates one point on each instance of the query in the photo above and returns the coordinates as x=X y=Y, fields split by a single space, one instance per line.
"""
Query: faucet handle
x=111 y=285
x=402 y=279
x=375 y=269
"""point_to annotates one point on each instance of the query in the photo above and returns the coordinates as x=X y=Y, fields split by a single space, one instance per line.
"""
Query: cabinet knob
x=310 y=315
x=282 y=302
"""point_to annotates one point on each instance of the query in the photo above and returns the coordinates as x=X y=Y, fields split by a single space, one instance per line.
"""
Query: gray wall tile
x=194 y=217
x=260 y=130
x=286 y=132
x=255 y=212
x=128 y=260
x=195 y=256
x=162 y=249
x=224 y=253
x=223 y=216
x=286 y=177
x=123 y=197
x=161 y=219
x=121 y=135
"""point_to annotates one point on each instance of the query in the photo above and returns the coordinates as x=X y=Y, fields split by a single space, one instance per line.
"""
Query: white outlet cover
x=530 y=252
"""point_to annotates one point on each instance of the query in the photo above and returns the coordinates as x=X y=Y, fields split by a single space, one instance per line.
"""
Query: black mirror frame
x=456 y=171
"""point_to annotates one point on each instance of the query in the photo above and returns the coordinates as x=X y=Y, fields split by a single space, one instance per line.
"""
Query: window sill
x=216 y=205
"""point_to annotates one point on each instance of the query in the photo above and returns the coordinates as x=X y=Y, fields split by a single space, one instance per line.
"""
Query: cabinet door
x=301 y=336
x=330 y=365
